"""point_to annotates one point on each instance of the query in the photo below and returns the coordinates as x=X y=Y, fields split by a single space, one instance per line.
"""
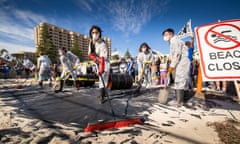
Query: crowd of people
x=178 y=67
x=19 y=67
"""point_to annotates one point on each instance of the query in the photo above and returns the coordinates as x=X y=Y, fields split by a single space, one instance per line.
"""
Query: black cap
x=168 y=30
x=63 y=49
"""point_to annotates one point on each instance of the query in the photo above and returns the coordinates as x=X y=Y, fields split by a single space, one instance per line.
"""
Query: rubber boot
x=106 y=92
x=40 y=83
x=139 y=86
x=102 y=95
x=50 y=84
x=180 y=96
x=187 y=95
x=60 y=87
x=75 y=86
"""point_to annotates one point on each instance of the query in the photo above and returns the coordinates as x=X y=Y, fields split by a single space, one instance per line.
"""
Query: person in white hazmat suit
x=98 y=52
x=144 y=60
x=43 y=67
x=70 y=63
x=179 y=62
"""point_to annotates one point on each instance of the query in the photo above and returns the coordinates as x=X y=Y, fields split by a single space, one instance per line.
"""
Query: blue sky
x=127 y=22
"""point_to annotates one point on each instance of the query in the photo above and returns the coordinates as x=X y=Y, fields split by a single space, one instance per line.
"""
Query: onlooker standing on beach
x=190 y=46
x=224 y=86
x=130 y=68
x=163 y=71
x=18 y=68
x=158 y=62
x=195 y=65
x=153 y=73
x=6 y=71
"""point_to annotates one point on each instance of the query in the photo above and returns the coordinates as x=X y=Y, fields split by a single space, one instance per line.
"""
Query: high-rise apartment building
x=61 y=37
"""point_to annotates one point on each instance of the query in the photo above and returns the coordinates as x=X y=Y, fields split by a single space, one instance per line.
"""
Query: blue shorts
x=18 y=73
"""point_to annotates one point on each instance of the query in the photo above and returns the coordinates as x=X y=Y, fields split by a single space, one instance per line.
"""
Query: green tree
x=127 y=54
x=46 y=45
x=2 y=51
x=115 y=57
x=77 y=50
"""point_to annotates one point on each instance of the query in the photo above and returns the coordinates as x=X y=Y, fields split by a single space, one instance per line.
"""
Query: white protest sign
x=28 y=64
x=185 y=31
x=8 y=57
x=219 y=49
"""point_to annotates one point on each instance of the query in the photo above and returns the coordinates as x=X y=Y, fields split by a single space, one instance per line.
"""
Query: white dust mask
x=95 y=36
x=166 y=38
x=144 y=49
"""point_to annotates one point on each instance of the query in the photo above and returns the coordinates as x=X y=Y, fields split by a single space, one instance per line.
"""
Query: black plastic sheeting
x=80 y=107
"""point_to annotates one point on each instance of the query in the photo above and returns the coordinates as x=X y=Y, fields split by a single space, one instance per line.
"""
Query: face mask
x=95 y=36
x=144 y=49
x=60 y=53
x=166 y=38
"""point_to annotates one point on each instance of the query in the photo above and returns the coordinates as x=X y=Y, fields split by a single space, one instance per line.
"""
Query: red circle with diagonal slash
x=222 y=35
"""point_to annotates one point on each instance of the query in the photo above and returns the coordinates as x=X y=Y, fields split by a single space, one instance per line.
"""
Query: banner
x=28 y=64
x=185 y=31
x=7 y=57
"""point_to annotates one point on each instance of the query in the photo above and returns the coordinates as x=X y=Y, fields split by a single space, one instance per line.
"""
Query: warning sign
x=219 y=49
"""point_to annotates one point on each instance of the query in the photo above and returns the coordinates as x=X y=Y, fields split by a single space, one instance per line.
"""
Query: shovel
x=58 y=85
x=164 y=92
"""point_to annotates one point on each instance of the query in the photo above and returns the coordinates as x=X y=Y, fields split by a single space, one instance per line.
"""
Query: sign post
x=219 y=49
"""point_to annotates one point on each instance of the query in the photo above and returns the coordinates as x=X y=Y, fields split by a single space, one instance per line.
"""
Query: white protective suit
x=68 y=62
x=180 y=62
x=144 y=61
x=43 y=64
x=100 y=50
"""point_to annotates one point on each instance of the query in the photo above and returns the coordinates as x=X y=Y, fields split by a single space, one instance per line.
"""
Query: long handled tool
x=140 y=81
x=107 y=95
x=164 y=92
x=113 y=123
x=58 y=85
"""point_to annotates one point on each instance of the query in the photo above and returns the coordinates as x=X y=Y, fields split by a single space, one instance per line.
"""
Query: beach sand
x=163 y=124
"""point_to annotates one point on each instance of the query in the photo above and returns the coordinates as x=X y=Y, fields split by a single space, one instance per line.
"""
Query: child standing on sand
x=163 y=71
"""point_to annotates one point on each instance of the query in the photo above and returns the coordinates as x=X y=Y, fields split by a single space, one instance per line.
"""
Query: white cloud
x=19 y=23
x=129 y=16
x=85 y=4
x=13 y=47
x=18 y=26
x=16 y=31
x=29 y=17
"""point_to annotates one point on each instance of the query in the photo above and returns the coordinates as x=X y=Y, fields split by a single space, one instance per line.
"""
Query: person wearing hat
x=179 y=62
x=98 y=52
x=70 y=64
